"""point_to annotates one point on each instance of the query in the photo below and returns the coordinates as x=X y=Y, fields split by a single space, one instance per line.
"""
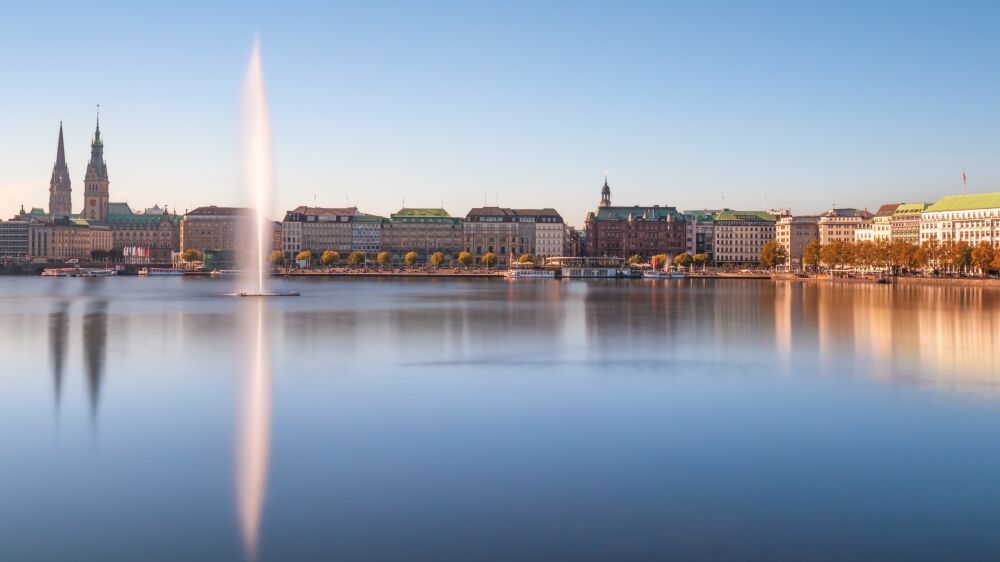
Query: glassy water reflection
x=154 y=419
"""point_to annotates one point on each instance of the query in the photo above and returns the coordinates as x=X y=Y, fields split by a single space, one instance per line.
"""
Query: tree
x=700 y=259
x=330 y=257
x=812 y=254
x=961 y=255
x=304 y=255
x=356 y=258
x=901 y=255
x=411 y=258
x=683 y=260
x=527 y=258
x=384 y=259
x=465 y=259
x=772 y=255
x=277 y=258
x=489 y=259
x=660 y=259
x=982 y=257
x=636 y=258
x=193 y=255
x=437 y=258
x=835 y=254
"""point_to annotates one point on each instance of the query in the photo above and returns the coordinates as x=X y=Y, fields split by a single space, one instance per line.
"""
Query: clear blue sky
x=845 y=103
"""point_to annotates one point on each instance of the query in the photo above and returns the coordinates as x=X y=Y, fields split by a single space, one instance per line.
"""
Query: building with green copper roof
x=424 y=231
x=972 y=218
x=741 y=235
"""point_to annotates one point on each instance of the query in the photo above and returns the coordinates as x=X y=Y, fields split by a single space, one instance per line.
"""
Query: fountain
x=257 y=170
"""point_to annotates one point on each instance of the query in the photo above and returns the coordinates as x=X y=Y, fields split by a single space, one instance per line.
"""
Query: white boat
x=78 y=272
x=61 y=272
x=228 y=273
x=525 y=273
x=151 y=271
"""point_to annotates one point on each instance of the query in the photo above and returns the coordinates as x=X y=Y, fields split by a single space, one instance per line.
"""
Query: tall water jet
x=257 y=169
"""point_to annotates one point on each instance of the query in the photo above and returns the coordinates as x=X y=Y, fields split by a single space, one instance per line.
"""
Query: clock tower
x=95 y=190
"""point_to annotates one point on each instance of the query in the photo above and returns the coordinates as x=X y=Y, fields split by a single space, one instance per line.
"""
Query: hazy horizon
x=524 y=104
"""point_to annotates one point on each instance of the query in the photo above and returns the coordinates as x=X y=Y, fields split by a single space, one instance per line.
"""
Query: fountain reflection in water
x=253 y=432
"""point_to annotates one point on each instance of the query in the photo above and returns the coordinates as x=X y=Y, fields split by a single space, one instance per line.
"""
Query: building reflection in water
x=58 y=342
x=253 y=439
x=95 y=341
x=938 y=337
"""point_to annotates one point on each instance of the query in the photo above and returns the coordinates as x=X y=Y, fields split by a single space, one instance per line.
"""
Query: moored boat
x=525 y=273
x=152 y=271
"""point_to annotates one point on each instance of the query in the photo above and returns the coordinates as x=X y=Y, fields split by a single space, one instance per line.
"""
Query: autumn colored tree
x=773 y=254
x=437 y=258
x=330 y=257
x=277 y=258
x=465 y=259
x=982 y=257
x=683 y=260
x=488 y=260
x=812 y=254
x=700 y=259
x=356 y=258
x=193 y=255
x=411 y=258
x=384 y=259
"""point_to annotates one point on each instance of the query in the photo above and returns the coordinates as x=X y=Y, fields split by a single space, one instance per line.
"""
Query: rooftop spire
x=61 y=151
x=97 y=131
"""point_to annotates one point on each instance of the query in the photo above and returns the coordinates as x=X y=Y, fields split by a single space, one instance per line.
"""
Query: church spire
x=60 y=191
x=61 y=150
x=605 y=193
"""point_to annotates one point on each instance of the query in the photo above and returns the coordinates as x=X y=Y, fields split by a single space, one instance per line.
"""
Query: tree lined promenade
x=904 y=258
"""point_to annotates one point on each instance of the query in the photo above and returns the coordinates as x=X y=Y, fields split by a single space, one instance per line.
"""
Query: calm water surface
x=154 y=419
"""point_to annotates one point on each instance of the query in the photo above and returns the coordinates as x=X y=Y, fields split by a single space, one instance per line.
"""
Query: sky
x=697 y=105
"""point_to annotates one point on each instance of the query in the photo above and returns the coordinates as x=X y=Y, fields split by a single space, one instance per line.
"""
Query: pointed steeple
x=61 y=151
x=605 y=193
x=60 y=191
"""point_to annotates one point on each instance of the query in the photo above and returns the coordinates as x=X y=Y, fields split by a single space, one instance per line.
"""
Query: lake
x=158 y=419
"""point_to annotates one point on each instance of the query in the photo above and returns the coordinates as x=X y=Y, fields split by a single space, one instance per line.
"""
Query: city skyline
x=529 y=107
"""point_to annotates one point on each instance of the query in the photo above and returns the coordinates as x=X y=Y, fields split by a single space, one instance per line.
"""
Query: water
x=153 y=419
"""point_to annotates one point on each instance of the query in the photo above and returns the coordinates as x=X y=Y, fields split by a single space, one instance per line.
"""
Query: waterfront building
x=509 y=233
x=95 y=183
x=794 y=234
x=219 y=231
x=318 y=229
x=865 y=231
x=424 y=231
x=153 y=228
x=574 y=242
x=882 y=221
x=741 y=235
x=700 y=232
x=838 y=225
x=14 y=240
x=366 y=233
x=971 y=218
x=67 y=238
x=905 y=222
x=550 y=235
x=626 y=231
x=60 y=189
